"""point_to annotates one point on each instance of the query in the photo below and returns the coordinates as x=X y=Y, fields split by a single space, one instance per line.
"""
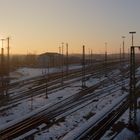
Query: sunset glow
x=41 y=25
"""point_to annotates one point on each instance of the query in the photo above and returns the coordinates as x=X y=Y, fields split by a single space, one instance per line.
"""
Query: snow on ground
x=79 y=120
x=26 y=73
x=126 y=135
x=33 y=103
x=124 y=132
x=71 y=122
x=138 y=71
x=28 y=105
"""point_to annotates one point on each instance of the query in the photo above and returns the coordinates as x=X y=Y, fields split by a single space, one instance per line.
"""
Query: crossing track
x=48 y=114
x=38 y=87
x=54 y=111
x=53 y=76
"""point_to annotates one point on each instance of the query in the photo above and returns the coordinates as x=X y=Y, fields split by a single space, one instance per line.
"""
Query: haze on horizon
x=37 y=26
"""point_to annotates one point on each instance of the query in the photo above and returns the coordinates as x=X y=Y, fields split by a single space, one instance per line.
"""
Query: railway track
x=97 y=132
x=41 y=117
x=96 y=128
x=55 y=84
x=55 y=76
x=49 y=113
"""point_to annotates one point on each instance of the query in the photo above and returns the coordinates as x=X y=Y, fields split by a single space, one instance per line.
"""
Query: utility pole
x=62 y=71
x=91 y=57
x=132 y=94
x=8 y=55
x=8 y=65
x=128 y=53
x=120 y=56
x=60 y=57
x=3 y=71
x=47 y=77
x=105 y=59
x=121 y=70
x=31 y=98
x=122 y=65
x=5 y=68
x=123 y=37
x=67 y=59
x=83 y=69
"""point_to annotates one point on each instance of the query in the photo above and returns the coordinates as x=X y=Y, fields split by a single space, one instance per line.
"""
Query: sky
x=37 y=26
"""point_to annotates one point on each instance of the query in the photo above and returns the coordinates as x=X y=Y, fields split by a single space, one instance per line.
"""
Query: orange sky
x=37 y=26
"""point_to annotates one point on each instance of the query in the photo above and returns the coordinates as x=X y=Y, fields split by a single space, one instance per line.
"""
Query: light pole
x=123 y=37
x=132 y=36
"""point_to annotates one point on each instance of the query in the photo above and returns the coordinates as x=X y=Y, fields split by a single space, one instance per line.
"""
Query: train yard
x=66 y=111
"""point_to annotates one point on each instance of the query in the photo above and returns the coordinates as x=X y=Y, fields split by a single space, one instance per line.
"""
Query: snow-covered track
x=106 y=123
x=39 y=117
x=48 y=114
x=95 y=128
x=54 y=83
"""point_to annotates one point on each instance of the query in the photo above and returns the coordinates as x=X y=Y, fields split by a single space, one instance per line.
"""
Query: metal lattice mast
x=132 y=94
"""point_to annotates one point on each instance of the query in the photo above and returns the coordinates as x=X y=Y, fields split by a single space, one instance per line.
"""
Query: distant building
x=49 y=59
